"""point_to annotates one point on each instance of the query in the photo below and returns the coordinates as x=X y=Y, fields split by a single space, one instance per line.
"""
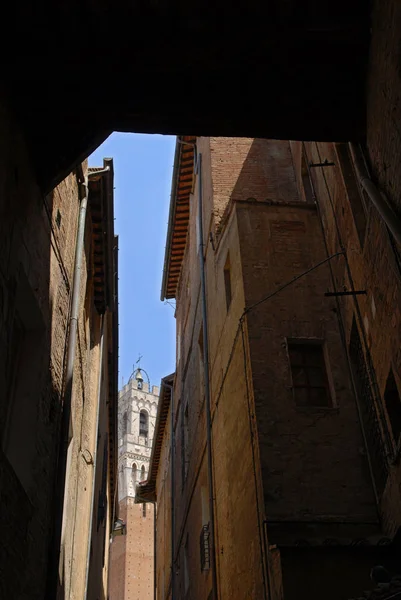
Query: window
x=125 y=423
x=143 y=423
x=140 y=384
x=309 y=376
x=227 y=281
x=134 y=469
x=144 y=509
x=143 y=473
x=393 y=405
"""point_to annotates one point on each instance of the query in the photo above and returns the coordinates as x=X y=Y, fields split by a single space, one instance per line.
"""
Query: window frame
x=291 y=342
x=144 y=432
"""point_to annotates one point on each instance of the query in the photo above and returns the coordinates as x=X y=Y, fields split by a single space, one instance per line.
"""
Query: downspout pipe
x=376 y=197
x=201 y=252
x=172 y=482
x=94 y=463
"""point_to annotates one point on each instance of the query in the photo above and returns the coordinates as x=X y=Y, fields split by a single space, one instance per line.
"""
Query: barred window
x=309 y=375
x=143 y=423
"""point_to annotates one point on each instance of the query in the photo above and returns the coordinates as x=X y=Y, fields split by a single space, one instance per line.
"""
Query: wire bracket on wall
x=325 y=163
x=345 y=293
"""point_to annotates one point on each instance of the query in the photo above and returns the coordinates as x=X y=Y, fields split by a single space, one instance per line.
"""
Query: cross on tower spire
x=138 y=362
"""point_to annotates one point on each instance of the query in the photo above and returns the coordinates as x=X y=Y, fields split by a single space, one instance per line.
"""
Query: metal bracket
x=355 y=293
x=325 y=163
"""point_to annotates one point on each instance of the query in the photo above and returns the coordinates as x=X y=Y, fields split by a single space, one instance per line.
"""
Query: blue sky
x=142 y=178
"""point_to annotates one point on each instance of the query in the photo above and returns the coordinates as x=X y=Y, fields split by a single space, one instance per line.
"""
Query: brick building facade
x=291 y=481
x=49 y=545
x=132 y=555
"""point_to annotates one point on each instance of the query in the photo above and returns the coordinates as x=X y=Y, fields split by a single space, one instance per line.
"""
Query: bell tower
x=131 y=568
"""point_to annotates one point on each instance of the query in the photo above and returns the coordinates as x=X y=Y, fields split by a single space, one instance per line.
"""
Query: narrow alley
x=246 y=444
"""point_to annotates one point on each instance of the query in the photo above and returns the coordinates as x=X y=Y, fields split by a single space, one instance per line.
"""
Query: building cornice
x=134 y=456
x=181 y=189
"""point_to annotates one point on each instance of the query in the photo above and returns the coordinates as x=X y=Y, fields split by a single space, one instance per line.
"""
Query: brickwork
x=131 y=569
x=139 y=552
x=245 y=168
x=117 y=559
x=286 y=241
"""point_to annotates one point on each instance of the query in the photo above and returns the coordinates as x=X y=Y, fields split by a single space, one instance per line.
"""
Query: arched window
x=143 y=423
x=125 y=423
x=143 y=473
x=134 y=474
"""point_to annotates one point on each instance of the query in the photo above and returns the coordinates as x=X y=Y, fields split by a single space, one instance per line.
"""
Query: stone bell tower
x=132 y=555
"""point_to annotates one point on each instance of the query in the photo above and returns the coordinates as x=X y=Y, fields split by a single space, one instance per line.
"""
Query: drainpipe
x=385 y=210
x=172 y=463
x=206 y=376
x=66 y=425
x=94 y=463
